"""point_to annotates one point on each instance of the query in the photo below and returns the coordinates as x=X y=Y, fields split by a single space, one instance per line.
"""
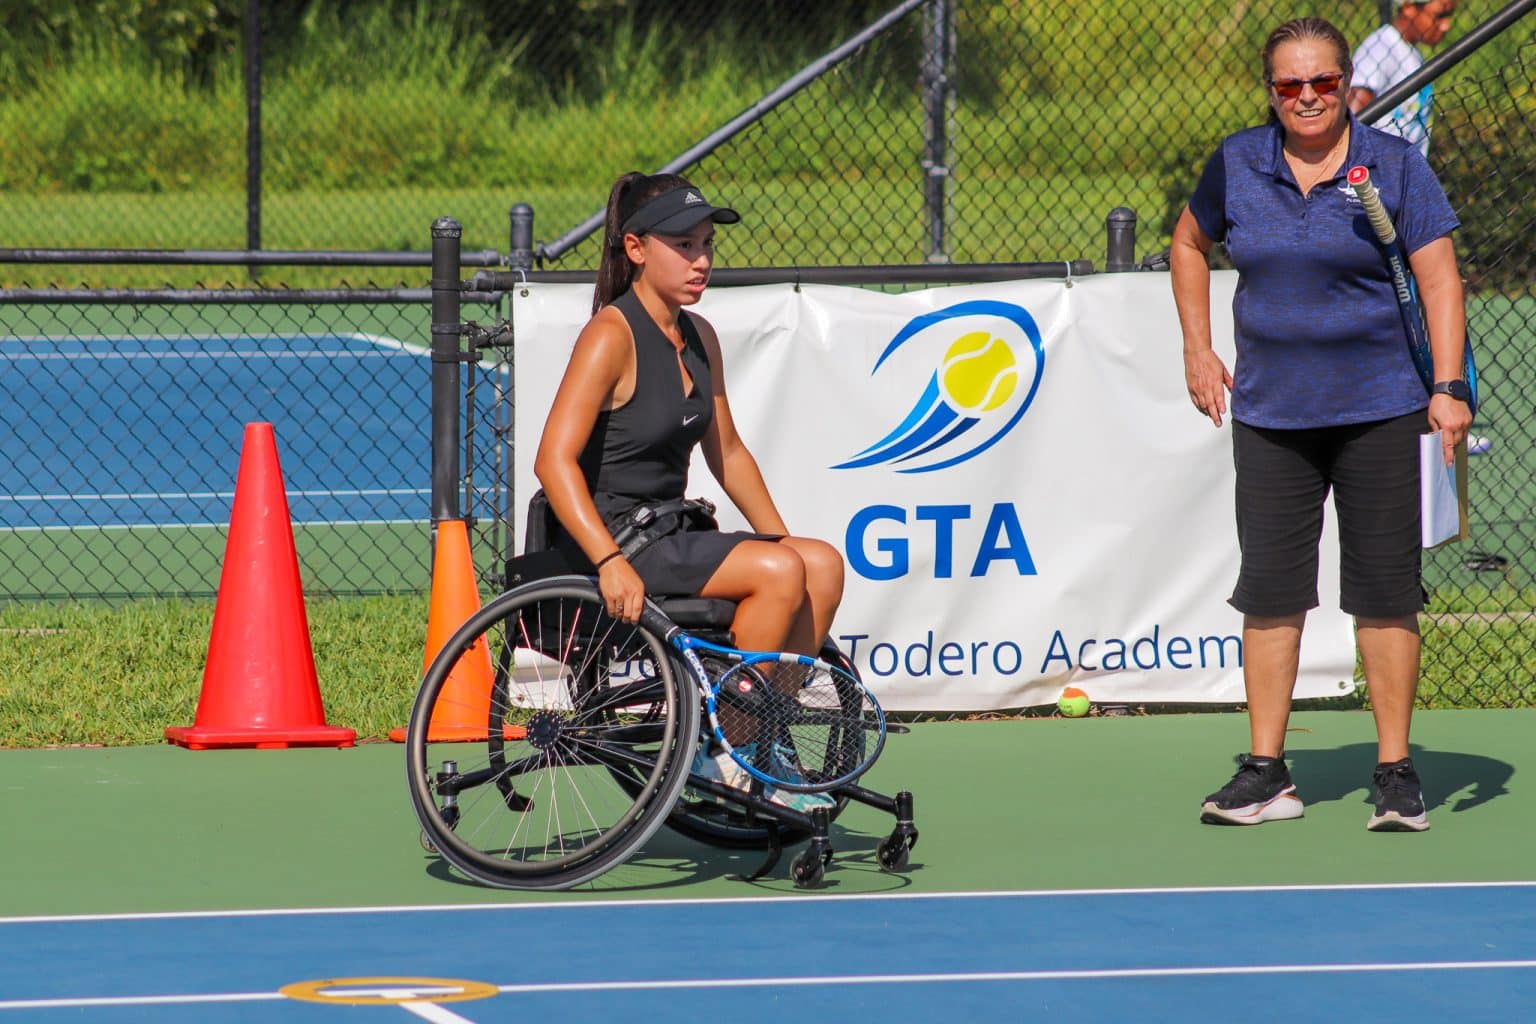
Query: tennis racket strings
x=804 y=726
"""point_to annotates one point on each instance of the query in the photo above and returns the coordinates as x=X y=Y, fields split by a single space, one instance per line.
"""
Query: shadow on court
x=670 y=862
x=1455 y=781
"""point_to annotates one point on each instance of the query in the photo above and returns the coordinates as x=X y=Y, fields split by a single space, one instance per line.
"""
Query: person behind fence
x=645 y=385
x=1324 y=397
x=1389 y=55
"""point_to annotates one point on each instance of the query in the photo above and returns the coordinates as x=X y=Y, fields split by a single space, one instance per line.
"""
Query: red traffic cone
x=259 y=685
x=463 y=707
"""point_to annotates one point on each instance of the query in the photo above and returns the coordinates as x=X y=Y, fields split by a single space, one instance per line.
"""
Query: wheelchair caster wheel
x=450 y=816
x=892 y=853
x=808 y=870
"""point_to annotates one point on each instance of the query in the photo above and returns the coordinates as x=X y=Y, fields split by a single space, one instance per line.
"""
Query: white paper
x=1440 y=516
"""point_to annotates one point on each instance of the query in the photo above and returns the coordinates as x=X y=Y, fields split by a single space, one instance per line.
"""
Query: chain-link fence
x=961 y=130
x=121 y=419
x=866 y=133
x=1483 y=598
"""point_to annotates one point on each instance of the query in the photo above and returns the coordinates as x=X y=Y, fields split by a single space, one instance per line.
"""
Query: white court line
x=394 y=346
x=171 y=915
x=842 y=979
x=371 y=492
x=333 y=355
x=978 y=976
x=67 y=1004
x=434 y=1012
x=165 y=527
x=378 y=340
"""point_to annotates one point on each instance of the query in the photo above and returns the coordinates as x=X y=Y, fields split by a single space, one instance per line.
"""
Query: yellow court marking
x=384 y=991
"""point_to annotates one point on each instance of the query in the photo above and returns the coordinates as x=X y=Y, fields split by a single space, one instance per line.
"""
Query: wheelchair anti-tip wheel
x=548 y=740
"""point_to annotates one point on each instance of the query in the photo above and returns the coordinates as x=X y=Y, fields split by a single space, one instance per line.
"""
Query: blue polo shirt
x=1320 y=341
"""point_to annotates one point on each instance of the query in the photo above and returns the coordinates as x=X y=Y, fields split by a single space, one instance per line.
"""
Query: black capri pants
x=1283 y=478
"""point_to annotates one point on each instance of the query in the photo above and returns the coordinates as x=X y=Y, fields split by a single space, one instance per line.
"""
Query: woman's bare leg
x=766 y=579
x=823 y=594
x=1271 y=656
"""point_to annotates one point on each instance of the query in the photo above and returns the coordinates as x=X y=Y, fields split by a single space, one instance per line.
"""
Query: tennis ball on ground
x=1073 y=702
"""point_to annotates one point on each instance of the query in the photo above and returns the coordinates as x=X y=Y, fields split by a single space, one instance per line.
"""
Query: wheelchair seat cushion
x=698 y=612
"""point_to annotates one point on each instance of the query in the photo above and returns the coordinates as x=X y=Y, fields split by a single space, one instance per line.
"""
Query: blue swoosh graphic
x=960 y=428
x=941 y=417
x=929 y=398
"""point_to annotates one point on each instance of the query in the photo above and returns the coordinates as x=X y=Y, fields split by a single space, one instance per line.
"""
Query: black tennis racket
x=1359 y=179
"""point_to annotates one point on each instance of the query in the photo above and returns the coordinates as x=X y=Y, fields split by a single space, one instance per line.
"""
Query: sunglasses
x=1323 y=85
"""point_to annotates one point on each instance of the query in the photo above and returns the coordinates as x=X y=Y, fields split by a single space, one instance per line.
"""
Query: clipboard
x=1442 y=492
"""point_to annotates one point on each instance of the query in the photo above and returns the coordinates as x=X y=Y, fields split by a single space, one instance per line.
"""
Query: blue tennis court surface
x=121 y=431
x=1462 y=952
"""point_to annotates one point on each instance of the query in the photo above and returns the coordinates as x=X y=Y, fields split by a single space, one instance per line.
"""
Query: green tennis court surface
x=1024 y=804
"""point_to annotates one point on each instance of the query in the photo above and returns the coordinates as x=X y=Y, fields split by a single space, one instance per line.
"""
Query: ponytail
x=632 y=189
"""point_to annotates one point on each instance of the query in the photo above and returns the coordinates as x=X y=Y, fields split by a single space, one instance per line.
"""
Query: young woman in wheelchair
x=644 y=386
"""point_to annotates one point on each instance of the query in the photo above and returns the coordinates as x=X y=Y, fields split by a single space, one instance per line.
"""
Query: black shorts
x=684 y=552
x=1283 y=478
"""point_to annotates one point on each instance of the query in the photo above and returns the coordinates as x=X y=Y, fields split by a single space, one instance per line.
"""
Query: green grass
x=779 y=220
x=92 y=674
x=73 y=674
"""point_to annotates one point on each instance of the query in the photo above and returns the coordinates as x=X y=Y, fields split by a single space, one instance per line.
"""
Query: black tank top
x=640 y=451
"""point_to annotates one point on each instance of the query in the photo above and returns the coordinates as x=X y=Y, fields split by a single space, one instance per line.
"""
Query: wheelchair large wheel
x=548 y=740
x=699 y=817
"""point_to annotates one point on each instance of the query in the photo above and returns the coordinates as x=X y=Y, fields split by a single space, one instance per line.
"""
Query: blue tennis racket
x=791 y=721
x=1359 y=179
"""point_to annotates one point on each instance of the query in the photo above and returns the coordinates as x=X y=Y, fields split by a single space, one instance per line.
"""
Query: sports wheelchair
x=549 y=741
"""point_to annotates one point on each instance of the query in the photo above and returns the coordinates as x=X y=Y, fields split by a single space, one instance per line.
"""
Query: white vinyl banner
x=1021 y=488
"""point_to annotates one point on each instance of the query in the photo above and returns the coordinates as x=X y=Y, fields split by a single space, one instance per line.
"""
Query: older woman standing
x=1324 y=398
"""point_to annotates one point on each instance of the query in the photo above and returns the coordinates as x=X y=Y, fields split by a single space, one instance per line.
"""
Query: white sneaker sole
x=1394 y=822
x=1285 y=806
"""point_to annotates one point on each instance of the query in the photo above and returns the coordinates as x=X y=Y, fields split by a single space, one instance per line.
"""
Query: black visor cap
x=675 y=213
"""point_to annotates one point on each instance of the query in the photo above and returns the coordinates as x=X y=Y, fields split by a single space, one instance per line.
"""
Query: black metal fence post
x=520 y=238
x=938 y=41
x=253 y=125
x=1121 y=229
x=520 y=260
x=446 y=356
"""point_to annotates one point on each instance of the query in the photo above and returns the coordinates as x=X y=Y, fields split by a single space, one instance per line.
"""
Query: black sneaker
x=1399 y=799
x=1260 y=791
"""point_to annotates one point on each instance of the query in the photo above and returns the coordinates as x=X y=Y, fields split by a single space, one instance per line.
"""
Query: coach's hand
x=1453 y=419
x=1208 y=381
x=622 y=589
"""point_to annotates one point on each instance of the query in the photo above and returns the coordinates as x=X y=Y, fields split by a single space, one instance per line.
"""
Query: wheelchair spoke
x=582 y=747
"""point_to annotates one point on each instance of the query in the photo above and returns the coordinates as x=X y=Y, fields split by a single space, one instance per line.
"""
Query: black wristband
x=607 y=558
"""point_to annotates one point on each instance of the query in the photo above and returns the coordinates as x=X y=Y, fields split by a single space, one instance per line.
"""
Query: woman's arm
x=600 y=375
x=1206 y=377
x=726 y=454
x=1440 y=293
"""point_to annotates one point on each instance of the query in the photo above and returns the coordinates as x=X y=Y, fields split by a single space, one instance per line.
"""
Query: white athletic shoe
x=721 y=768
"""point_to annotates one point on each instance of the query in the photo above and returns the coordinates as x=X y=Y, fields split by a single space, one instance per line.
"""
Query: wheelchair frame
x=575 y=747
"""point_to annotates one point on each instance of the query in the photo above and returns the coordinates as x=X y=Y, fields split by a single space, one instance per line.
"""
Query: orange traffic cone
x=259 y=686
x=463 y=707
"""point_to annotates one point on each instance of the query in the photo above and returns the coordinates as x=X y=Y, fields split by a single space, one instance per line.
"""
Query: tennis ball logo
x=979 y=372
